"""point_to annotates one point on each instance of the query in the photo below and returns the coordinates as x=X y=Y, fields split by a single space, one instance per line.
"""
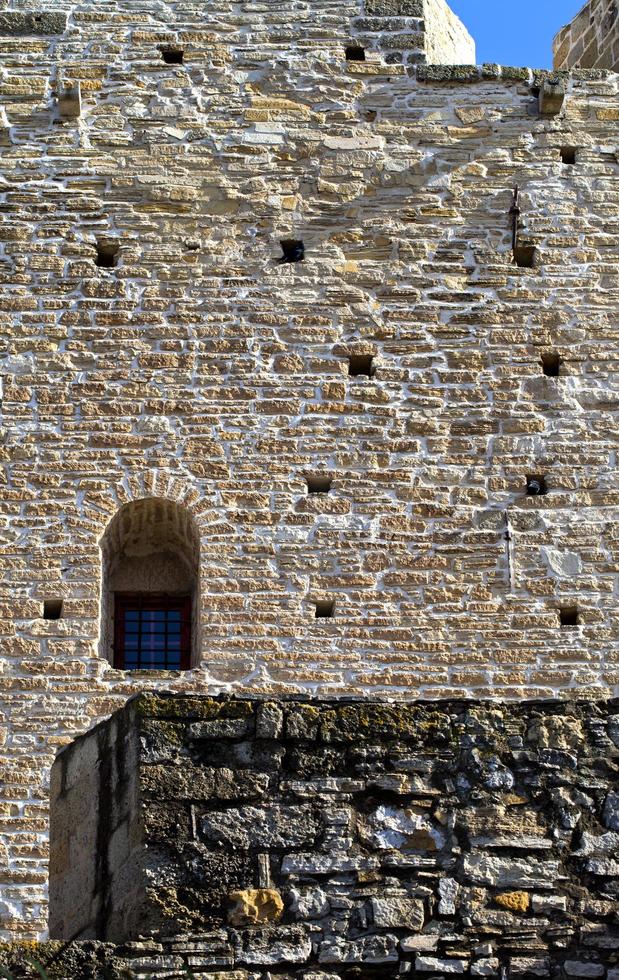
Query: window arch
x=150 y=587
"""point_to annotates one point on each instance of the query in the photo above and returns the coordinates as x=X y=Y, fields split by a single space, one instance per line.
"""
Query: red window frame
x=145 y=602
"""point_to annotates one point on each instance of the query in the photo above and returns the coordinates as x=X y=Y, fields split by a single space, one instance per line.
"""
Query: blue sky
x=515 y=32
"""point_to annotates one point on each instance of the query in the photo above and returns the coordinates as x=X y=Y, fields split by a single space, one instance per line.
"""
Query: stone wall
x=199 y=370
x=591 y=40
x=319 y=837
x=447 y=41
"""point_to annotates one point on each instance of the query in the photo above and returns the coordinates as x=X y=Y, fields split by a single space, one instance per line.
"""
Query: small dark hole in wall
x=360 y=364
x=536 y=486
x=551 y=364
x=325 y=608
x=172 y=56
x=107 y=254
x=568 y=616
x=319 y=484
x=354 y=52
x=525 y=256
x=293 y=250
x=568 y=155
x=52 y=609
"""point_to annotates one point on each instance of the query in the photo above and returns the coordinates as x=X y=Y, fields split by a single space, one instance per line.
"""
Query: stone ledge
x=506 y=73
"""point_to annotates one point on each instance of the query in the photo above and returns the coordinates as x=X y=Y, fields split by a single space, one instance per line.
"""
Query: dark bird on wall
x=535 y=487
x=293 y=251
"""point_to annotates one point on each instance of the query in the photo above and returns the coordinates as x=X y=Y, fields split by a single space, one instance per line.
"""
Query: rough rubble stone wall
x=591 y=40
x=201 y=371
x=314 y=838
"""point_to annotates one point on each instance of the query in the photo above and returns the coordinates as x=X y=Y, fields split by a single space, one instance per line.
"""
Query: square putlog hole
x=325 y=608
x=551 y=364
x=319 y=483
x=52 y=609
x=361 y=365
x=354 y=52
x=525 y=256
x=536 y=486
x=172 y=55
x=568 y=155
x=293 y=250
x=568 y=616
x=107 y=254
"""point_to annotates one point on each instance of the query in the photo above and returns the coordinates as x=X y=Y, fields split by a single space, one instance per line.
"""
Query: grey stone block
x=32 y=22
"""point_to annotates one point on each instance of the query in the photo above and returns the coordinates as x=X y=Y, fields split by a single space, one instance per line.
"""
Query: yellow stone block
x=253 y=905
x=514 y=901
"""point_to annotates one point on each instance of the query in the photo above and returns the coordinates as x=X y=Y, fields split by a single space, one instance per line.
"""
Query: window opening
x=360 y=364
x=354 y=52
x=568 y=616
x=536 y=486
x=107 y=254
x=152 y=632
x=551 y=364
x=319 y=483
x=325 y=608
x=150 y=587
x=52 y=609
x=293 y=250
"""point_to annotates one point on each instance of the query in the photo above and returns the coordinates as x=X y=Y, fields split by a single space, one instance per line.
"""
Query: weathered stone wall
x=438 y=838
x=591 y=40
x=447 y=41
x=201 y=371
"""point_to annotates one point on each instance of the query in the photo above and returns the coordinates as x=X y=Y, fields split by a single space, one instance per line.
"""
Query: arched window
x=150 y=587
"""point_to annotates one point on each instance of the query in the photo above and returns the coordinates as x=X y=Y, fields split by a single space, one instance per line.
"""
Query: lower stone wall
x=362 y=839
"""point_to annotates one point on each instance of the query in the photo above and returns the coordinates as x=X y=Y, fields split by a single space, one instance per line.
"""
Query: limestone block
x=255 y=905
x=398 y=913
x=552 y=96
x=27 y=22
x=514 y=901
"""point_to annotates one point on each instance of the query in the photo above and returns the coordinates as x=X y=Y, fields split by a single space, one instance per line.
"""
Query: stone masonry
x=240 y=837
x=591 y=40
x=172 y=394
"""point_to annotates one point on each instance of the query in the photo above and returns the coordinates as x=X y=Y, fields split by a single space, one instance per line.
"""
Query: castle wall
x=591 y=40
x=447 y=41
x=200 y=370
x=432 y=838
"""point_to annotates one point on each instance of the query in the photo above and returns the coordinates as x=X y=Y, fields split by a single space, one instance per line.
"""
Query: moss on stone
x=362 y=721
x=448 y=73
x=150 y=705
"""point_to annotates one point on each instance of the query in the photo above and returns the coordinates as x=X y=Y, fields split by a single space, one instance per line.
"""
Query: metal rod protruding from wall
x=515 y=212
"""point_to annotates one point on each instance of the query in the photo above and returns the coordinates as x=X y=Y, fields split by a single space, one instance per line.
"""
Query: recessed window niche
x=150 y=587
